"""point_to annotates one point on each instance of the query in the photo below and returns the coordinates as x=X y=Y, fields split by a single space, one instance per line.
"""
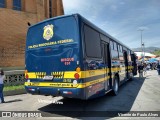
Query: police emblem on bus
x=48 y=32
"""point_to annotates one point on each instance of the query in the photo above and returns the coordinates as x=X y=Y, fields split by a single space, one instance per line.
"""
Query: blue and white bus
x=69 y=56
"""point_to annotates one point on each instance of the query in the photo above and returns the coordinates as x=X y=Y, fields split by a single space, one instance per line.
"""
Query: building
x=147 y=55
x=15 y=15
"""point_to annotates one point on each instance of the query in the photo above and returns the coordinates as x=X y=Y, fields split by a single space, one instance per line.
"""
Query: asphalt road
x=137 y=95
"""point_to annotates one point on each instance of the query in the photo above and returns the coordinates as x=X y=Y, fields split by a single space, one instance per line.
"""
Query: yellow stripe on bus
x=66 y=85
x=70 y=74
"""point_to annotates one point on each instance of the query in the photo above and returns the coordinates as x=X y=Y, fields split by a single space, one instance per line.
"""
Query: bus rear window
x=53 y=32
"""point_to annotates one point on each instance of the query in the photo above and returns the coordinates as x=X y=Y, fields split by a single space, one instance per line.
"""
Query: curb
x=14 y=92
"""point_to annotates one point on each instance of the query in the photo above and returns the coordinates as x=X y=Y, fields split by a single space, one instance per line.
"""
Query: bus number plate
x=48 y=77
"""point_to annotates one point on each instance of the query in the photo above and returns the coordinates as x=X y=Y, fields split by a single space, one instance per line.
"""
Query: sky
x=122 y=19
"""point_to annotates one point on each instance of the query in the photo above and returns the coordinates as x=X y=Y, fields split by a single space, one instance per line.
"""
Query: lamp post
x=141 y=30
x=143 y=51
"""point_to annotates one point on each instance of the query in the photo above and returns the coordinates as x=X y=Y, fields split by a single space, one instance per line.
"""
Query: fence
x=14 y=77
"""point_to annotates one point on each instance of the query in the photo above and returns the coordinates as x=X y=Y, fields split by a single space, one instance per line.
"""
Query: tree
x=156 y=52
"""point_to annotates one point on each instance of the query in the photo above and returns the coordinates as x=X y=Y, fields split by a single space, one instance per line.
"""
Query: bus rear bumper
x=64 y=92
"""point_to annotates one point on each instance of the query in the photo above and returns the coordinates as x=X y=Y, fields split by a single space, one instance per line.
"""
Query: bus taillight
x=27 y=76
x=26 y=71
x=78 y=69
x=76 y=76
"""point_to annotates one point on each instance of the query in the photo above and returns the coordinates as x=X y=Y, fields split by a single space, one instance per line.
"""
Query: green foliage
x=156 y=52
x=10 y=88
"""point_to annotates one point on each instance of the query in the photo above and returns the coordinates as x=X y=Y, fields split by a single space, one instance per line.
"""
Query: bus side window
x=114 y=52
x=120 y=47
x=92 y=43
x=115 y=46
x=112 y=45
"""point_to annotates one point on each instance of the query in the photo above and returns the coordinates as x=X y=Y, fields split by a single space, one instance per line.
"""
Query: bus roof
x=87 y=22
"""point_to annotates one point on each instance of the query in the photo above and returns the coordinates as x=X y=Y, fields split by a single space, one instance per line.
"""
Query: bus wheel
x=131 y=77
x=115 y=86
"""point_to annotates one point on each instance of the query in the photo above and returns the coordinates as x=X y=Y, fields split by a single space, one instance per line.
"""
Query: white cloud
x=142 y=28
x=121 y=18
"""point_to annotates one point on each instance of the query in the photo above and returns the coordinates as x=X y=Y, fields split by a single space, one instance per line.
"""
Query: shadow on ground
x=106 y=106
x=16 y=100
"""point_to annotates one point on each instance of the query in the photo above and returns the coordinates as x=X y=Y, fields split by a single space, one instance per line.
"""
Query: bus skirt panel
x=64 y=92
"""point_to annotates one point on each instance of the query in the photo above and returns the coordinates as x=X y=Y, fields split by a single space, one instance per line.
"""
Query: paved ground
x=137 y=95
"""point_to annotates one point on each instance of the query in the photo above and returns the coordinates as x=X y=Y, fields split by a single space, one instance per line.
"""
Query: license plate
x=48 y=77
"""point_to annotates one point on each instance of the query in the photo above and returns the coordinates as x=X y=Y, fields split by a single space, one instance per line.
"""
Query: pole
x=144 y=50
x=141 y=30
x=141 y=41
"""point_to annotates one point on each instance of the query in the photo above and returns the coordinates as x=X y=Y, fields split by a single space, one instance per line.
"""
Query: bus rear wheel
x=115 y=86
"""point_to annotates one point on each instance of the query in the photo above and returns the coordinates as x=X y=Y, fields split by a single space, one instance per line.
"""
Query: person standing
x=158 y=68
x=148 y=66
x=145 y=68
x=151 y=65
x=2 y=76
x=140 y=70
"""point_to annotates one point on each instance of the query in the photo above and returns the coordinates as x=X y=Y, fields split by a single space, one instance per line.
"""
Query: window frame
x=2 y=3
x=121 y=48
x=115 y=46
x=50 y=9
x=111 y=44
x=17 y=5
x=85 y=45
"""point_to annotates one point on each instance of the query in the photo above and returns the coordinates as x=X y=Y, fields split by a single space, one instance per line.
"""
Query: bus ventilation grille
x=40 y=74
x=58 y=74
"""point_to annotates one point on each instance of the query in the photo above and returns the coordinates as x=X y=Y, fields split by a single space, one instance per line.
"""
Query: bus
x=69 y=56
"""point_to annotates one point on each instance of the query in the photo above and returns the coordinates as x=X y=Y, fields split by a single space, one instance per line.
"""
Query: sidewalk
x=148 y=98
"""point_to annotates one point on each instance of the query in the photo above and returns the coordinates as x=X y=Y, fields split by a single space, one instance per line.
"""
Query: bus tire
x=115 y=87
x=131 y=77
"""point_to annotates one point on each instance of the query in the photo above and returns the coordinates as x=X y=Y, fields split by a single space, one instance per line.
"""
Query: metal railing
x=14 y=77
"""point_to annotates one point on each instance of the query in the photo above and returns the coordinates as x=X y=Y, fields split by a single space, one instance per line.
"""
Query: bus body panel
x=56 y=54
x=61 y=50
x=65 y=92
x=73 y=43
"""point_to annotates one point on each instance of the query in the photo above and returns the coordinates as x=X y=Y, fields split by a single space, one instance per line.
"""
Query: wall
x=13 y=28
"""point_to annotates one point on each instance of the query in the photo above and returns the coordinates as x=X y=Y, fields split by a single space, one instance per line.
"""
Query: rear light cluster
x=26 y=74
x=76 y=75
x=31 y=89
x=67 y=92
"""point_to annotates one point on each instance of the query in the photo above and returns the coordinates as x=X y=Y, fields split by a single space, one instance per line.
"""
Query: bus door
x=126 y=64
x=134 y=64
x=106 y=62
